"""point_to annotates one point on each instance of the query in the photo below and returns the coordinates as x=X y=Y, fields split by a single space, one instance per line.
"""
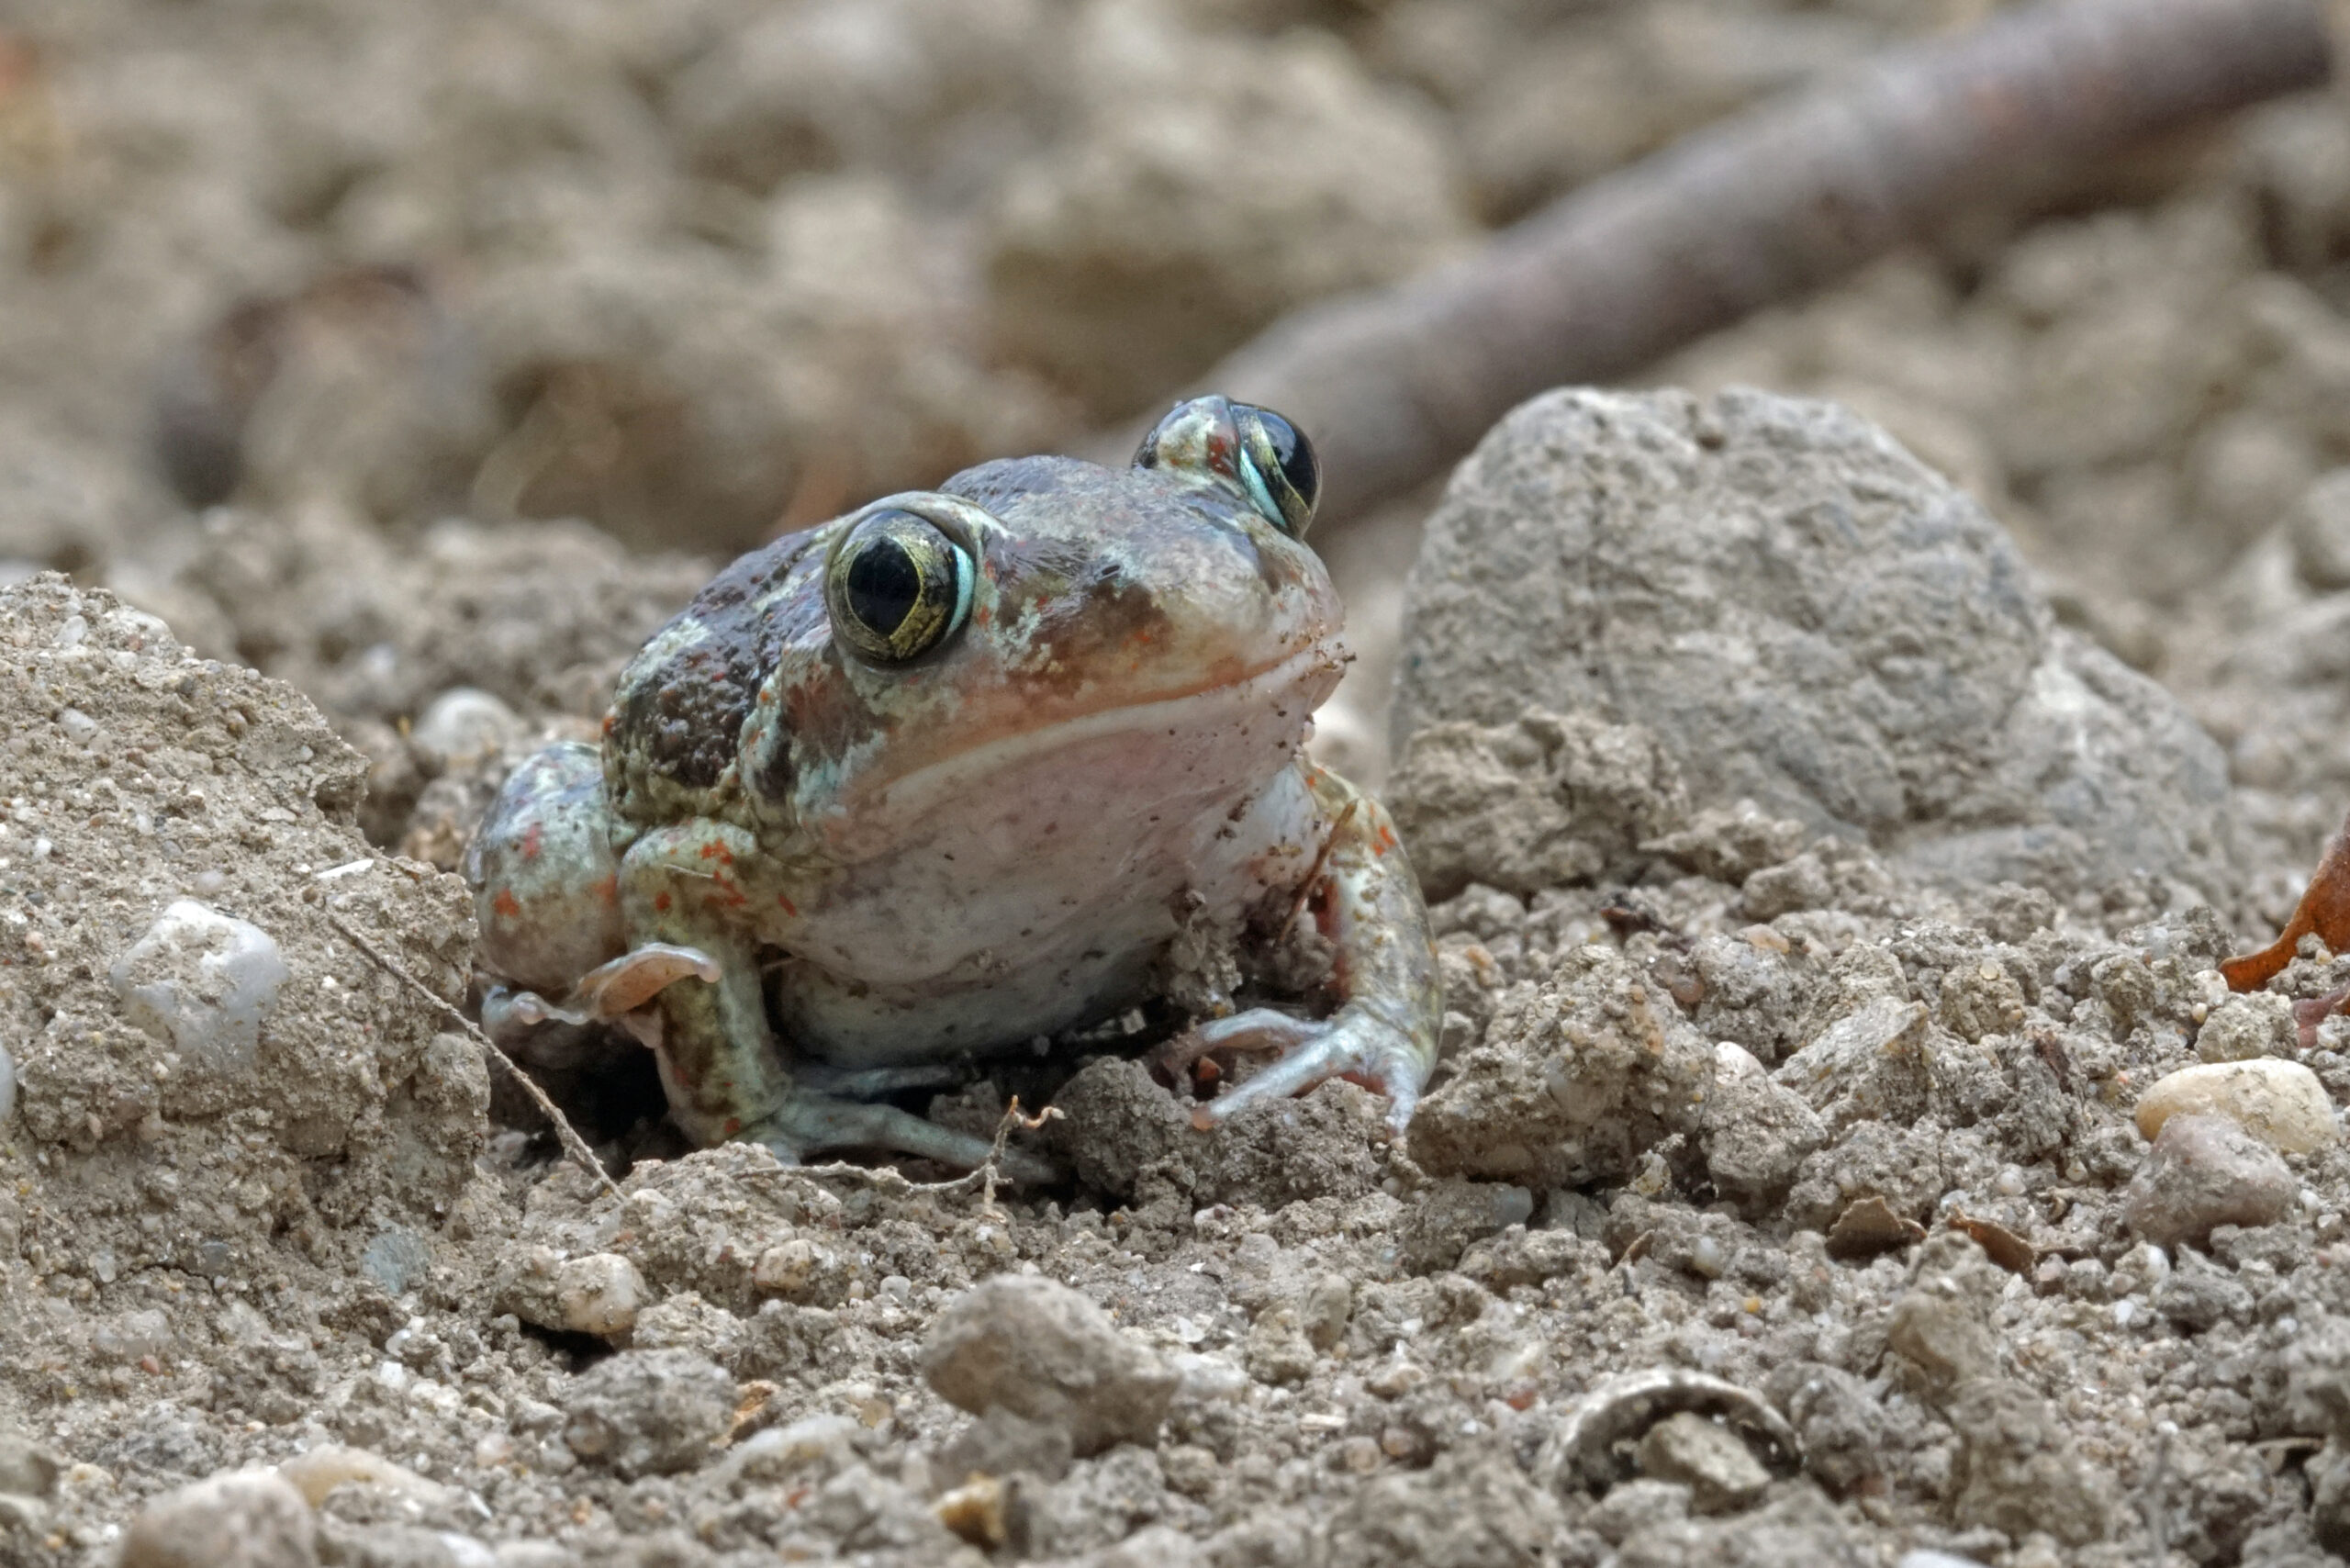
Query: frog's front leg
x=693 y=886
x=1364 y=899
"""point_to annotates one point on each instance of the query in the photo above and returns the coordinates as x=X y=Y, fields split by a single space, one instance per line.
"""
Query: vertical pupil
x=883 y=584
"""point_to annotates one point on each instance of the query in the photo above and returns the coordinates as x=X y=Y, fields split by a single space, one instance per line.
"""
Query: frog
x=950 y=775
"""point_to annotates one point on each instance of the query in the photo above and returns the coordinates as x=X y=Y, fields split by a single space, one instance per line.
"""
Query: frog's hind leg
x=726 y=1078
x=873 y=1083
x=813 y=1122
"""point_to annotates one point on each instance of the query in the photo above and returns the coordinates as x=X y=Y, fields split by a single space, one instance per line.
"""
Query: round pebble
x=249 y=1519
x=2204 y=1172
x=2280 y=1102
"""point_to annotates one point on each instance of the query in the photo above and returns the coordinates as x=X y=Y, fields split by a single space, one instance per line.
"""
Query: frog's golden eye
x=897 y=586
x=1256 y=449
x=1278 y=465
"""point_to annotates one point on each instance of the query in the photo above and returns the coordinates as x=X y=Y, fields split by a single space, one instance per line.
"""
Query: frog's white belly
x=1053 y=913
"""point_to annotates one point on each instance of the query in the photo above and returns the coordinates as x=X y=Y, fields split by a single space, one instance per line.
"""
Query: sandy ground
x=354 y=357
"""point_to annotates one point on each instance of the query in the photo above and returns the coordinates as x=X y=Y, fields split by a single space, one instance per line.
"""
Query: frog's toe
x=1354 y=1046
x=612 y=992
x=816 y=1122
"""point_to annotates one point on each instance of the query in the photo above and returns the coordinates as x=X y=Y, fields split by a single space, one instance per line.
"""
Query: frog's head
x=1148 y=639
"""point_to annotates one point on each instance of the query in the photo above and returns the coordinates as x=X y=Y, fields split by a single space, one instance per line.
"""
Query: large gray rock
x=1801 y=614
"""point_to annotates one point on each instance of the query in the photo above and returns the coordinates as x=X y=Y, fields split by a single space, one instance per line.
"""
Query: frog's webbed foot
x=808 y=1123
x=1355 y=1044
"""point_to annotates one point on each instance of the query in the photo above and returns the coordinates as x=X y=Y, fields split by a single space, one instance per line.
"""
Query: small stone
x=2024 y=1470
x=246 y=1519
x=535 y=1554
x=1757 y=1134
x=2280 y=1102
x=2316 y=1378
x=1038 y=1348
x=2206 y=1171
x=2198 y=1293
x=600 y=1294
x=2329 y=1476
x=202 y=983
x=796 y=1269
x=26 y=1468
x=1944 y=1335
x=1003 y=1443
x=1278 y=1351
x=648 y=1412
x=823 y=1443
x=1839 y=1420
x=975 y=1511
x=316 y=1471
x=1635 y=1506
x=464 y=723
x=1721 y=1473
x=2248 y=1028
x=1871 y=1064
x=1325 y=1310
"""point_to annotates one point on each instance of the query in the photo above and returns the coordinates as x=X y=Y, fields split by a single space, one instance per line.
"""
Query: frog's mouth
x=1204 y=745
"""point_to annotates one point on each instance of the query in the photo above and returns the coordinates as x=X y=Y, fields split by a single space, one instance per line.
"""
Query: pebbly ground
x=1827 y=1093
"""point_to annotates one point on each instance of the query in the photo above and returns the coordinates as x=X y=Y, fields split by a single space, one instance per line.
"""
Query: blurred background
x=398 y=348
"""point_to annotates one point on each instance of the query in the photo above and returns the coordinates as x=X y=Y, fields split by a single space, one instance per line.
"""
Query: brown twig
x=566 y=1134
x=1395 y=384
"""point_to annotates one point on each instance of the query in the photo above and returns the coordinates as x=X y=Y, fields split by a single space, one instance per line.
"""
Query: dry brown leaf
x=2003 y=1246
x=1869 y=1226
x=2324 y=909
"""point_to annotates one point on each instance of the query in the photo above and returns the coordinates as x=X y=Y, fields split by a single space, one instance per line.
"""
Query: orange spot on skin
x=507 y=904
x=611 y=722
x=661 y=902
x=789 y=908
x=533 y=840
x=608 y=891
x=1384 y=842
x=714 y=850
x=733 y=1124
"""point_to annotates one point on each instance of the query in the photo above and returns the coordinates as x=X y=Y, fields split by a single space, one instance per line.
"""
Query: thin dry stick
x=889 y=1178
x=566 y=1134
x=1396 y=384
